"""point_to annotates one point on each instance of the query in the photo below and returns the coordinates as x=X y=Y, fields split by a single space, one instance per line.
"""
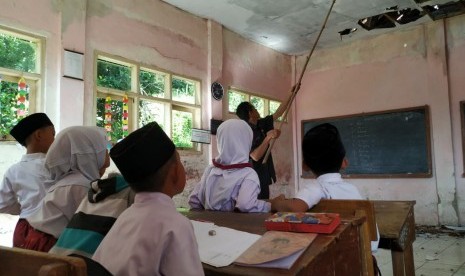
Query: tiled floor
x=434 y=254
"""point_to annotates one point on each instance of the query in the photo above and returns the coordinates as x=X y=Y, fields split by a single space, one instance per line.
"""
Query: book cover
x=303 y=222
x=276 y=249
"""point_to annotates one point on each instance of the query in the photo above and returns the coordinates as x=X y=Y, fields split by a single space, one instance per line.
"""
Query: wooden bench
x=355 y=209
x=17 y=261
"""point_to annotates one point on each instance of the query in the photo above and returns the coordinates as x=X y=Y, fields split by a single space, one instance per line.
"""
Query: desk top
x=254 y=223
x=396 y=222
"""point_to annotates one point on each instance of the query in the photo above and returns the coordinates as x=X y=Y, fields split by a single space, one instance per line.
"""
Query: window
x=20 y=75
x=130 y=96
x=263 y=105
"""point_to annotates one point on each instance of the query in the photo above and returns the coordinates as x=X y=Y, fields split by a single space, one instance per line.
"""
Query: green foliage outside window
x=152 y=84
x=259 y=104
x=234 y=99
x=17 y=54
x=112 y=75
x=151 y=112
x=183 y=90
x=8 y=118
x=182 y=129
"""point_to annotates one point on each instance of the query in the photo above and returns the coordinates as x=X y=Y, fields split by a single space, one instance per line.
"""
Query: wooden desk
x=329 y=254
x=396 y=224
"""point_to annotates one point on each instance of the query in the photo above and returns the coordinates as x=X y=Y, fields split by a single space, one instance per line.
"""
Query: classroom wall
x=156 y=35
x=419 y=66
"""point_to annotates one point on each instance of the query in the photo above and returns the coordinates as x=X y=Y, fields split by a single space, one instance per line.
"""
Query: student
x=263 y=133
x=150 y=237
x=78 y=156
x=98 y=211
x=230 y=183
x=324 y=154
x=23 y=185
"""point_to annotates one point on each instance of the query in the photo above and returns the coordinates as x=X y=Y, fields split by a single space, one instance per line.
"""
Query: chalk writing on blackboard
x=393 y=143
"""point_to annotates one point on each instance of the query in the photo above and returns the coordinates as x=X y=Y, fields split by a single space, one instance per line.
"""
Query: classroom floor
x=435 y=254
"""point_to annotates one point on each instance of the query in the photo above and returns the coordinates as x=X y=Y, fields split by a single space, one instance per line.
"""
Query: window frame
x=135 y=96
x=34 y=80
x=230 y=115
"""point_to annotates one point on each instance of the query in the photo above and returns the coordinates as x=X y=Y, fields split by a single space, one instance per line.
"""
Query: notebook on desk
x=303 y=222
x=276 y=249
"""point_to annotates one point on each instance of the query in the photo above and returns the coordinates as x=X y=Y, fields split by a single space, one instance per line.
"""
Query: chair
x=355 y=209
x=17 y=261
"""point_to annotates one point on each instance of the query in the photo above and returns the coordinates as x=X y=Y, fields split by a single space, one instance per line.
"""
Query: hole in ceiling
x=405 y=16
x=393 y=8
x=440 y=11
x=380 y=21
x=347 y=31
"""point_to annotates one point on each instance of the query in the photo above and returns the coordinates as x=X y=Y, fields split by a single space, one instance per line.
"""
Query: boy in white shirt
x=23 y=185
x=150 y=237
x=324 y=154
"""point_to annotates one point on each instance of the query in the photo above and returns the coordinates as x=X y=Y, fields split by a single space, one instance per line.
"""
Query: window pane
x=234 y=99
x=112 y=75
x=18 y=54
x=274 y=106
x=116 y=121
x=9 y=105
x=151 y=111
x=259 y=104
x=182 y=129
x=152 y=84
x=183 y=90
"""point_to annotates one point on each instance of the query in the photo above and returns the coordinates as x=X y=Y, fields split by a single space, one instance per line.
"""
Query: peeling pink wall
x=402 y=69
x=456 y=53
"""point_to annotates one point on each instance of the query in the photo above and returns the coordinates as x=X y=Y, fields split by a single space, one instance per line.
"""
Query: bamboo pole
x=297 y=86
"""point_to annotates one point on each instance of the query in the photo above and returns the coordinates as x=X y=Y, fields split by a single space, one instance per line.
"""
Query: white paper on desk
x=224 y=247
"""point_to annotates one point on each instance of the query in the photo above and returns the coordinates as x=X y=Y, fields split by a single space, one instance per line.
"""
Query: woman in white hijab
x=78 y=156
x=230 y=183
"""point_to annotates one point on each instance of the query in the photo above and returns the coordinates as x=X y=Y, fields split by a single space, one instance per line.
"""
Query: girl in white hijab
x=78 y=156
x=230 y=183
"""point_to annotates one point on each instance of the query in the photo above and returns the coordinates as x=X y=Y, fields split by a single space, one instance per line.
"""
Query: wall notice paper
x=220 y=246
x=276 y=249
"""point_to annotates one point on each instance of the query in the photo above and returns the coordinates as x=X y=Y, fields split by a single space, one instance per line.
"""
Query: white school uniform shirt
x=24 y=184
x=224 y=189
x=331 y=186
x=73 y=160
x=150 y=238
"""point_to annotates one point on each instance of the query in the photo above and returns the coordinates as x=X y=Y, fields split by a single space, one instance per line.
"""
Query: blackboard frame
x=424 y=109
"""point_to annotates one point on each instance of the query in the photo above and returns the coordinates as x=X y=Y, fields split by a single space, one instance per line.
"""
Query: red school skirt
x=34 y=239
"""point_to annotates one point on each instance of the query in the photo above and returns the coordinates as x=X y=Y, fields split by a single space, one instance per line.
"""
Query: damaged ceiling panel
x=291 y=26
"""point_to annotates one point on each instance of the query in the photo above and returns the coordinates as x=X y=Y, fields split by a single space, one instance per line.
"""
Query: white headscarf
x=77 y=149
x=216 y=186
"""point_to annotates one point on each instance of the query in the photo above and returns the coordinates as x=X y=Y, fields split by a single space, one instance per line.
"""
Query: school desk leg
x=397 y=263
x=408 y=259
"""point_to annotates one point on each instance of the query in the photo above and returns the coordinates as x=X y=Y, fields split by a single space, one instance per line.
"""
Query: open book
x=303 y=222
x=276 y=250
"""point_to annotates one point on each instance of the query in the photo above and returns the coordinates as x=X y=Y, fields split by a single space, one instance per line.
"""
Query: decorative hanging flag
x=22 y=103
x=125 y=116
x=108 y=118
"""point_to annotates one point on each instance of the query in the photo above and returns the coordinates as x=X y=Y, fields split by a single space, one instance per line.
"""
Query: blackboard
x=393 y=143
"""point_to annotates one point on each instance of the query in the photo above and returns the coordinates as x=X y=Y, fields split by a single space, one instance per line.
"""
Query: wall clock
x=217 y=91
